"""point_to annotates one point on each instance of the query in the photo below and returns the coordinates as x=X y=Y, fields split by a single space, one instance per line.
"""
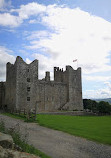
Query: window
x=28 y=89
x=28 y=79
x=28 y=98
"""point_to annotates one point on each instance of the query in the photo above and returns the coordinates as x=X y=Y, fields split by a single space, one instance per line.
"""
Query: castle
x=23 y=89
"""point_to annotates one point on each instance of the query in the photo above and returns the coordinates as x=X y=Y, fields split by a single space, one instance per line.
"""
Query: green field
x=97 y=128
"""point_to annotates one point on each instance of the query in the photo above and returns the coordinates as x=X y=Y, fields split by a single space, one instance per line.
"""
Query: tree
x=87 y=104
x=104 y=107
x=90 y=104
x=101 y=107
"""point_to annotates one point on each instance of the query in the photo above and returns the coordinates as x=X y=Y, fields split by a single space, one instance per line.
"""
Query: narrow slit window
x=28 y=79
x=28 y=98
x=28 y=89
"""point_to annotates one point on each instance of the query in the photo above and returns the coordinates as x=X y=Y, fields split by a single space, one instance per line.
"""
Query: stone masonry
x=23 y=89
x=2 y=94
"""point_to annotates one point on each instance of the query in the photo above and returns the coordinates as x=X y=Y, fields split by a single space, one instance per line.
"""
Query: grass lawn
x=97 y=128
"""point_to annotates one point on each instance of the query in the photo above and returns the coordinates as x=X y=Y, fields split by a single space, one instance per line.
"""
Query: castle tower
x=72 y=78
x=74 y=89
x=27 y=76
x=2 y=94
x=20 y=83
x=10 y=96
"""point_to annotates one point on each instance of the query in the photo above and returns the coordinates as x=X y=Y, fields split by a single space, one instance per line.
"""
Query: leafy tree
x=101 y=107
x=104 y=107
x=94 y=106
x=87 y=104
x=90 y=104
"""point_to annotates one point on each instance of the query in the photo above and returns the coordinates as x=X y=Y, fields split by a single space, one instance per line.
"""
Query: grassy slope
x=93 y=128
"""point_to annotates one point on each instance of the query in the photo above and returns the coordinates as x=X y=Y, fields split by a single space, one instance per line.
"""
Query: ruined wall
x=10 y=96
x=2 y=94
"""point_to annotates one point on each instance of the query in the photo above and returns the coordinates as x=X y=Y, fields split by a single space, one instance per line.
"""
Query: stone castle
x=23 y=89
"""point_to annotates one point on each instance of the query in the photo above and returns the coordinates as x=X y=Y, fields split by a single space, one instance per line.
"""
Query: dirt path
x=58 y=144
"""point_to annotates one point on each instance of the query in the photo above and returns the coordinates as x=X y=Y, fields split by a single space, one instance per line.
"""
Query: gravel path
x=59 y=144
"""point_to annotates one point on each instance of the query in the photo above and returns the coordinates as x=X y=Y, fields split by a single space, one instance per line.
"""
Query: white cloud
x=108 y=84
x=30 y=9
x=28 y=61
x=97 y=92
x=37 y=35
x=7 y=19
x=100 y=93
x=4 y=4
x=97 y=78
x=104 y=92
x=4 y=58
x=24 y=12
x=74 y=34
x=32 y=21
x=77 y=35
x=43 y=65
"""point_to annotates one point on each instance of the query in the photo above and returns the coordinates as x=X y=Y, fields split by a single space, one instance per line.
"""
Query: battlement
x=58 y=74
x=63 y=76
x=57 y=69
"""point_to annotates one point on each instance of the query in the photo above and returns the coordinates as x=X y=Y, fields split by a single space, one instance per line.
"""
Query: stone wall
x=27 y=76
x=30 y=90
x=73 y=80
x=74 y=89
x=10 y=96
x=51 y=95
x=2 y=94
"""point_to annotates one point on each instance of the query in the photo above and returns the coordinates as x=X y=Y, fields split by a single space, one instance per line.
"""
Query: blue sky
x=57 y=32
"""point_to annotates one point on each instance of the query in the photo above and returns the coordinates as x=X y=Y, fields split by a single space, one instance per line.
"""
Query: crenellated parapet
x=58 y=74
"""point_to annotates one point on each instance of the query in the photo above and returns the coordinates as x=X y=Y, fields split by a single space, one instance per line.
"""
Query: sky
x=56 y=32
